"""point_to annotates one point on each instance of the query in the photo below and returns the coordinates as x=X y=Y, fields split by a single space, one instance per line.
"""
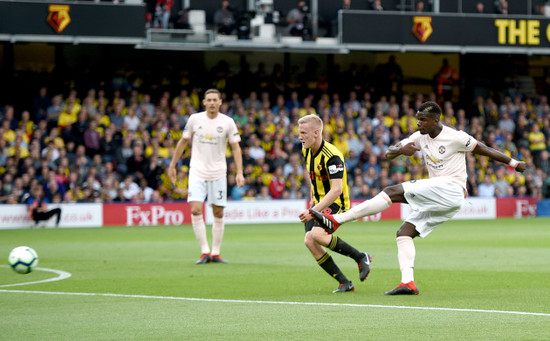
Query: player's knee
x=395 y=192
x=309 y=242
x=407 y=230
x=318 y=235
x=196 y=211
x=217 y=212
x=391 y=190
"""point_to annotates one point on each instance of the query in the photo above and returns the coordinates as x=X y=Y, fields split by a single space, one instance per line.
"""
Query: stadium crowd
x=112 y=141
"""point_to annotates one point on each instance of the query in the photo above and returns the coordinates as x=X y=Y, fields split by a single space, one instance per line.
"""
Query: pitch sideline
x=64 y=275
x=273 y=302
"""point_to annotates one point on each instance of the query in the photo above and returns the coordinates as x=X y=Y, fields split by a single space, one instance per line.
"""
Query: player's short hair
x=213 y=91
x=313 y=119
x=431 y=108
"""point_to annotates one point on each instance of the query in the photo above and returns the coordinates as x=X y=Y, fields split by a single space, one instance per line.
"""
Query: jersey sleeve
x=335 y=167
x=465 y=142
x=413 y=138
x=188 y=129
x=234 y=133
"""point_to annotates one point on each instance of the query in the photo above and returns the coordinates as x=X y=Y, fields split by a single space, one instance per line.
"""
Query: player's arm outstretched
x=482 y=149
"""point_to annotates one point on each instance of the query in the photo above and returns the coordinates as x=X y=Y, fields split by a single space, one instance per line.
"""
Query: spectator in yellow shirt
x=67 y=117
x=537 y=141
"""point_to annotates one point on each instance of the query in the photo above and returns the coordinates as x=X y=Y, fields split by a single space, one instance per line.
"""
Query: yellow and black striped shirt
x=325 y=165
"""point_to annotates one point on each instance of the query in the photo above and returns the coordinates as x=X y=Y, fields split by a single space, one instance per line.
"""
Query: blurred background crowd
x=110 y=138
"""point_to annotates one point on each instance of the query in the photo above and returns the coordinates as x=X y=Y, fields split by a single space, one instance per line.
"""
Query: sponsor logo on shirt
x=333 y=169
x=314 y=176
x=435 y=162
x=207 y=139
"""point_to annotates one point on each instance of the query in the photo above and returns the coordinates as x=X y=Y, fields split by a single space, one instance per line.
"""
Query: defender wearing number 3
x=210 y=131
x=433 y=201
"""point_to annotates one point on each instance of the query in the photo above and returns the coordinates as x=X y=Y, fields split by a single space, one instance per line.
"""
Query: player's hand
x=521 y=166
x=171 y=173
x=305 y=216
x=409 y=149
x=239 y=179
x=394 y=149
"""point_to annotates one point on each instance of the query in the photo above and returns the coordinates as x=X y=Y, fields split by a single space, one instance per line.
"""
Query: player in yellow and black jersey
x=323 y=166
x=329 y=193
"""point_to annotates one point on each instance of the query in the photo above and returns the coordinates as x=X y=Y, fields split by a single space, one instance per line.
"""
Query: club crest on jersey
x=442 y=149
x=219 y=130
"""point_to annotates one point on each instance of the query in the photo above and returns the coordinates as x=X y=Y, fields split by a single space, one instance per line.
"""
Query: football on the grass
x=23 y=259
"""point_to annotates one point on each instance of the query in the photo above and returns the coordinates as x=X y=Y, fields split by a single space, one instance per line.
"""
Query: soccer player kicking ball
x=433 y=201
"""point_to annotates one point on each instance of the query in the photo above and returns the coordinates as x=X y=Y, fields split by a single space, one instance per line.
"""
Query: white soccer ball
x=23 y=259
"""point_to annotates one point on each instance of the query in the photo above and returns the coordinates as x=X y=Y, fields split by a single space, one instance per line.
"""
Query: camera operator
x=299 y=20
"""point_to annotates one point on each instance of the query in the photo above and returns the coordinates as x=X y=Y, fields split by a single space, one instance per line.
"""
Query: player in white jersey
x=209 y=131
x=433 y=201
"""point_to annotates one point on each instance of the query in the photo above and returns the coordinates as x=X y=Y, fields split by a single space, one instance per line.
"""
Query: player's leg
x=324 y=259
x=38 y=217
x=199 y=228
x=406 y=254
x=434 y=201
x=57 y=213
x=217 y=198
x=196 y=197
x=337 y=244
x=379 y=203
x=218 y=228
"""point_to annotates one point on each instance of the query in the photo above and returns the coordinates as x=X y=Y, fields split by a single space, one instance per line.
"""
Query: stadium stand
x=112 y=141
x=105 y=130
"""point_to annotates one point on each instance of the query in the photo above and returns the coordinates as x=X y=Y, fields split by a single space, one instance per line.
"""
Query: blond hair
x=312 y=119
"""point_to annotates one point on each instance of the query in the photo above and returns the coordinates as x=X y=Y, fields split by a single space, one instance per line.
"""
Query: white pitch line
x=276 y=302
x=61 y=276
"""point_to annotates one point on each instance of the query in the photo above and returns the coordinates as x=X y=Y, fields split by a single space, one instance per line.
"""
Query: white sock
x=218 y=228
x=368 y=207
x=406 y=253
x=200 y=232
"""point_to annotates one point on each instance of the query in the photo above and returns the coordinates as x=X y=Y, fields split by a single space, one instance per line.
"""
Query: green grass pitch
x=478 y=280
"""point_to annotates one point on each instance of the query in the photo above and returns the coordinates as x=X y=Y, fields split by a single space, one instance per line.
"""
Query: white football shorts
x=214 y=190
x=433 y=202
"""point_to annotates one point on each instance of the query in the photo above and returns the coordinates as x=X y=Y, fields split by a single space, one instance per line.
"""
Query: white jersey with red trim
x=445 y=155
x=209 y=142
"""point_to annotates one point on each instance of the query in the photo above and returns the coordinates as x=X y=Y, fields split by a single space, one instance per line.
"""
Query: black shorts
x=332 y=209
